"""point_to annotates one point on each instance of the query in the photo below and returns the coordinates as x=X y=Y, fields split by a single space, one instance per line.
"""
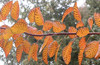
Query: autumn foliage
x=50 y=47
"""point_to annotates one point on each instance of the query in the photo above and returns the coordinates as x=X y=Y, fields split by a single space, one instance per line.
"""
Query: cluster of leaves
x=50 y=47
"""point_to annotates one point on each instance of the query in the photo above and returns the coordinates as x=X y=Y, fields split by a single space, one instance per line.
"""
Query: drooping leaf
x=19 y=41
x=72 y=30
x=38 y=17
x=90 y=22
x=39 y=37
x=57 y=53
x=1 y=42
x=8 y=47
x=80 y=57
x=26 y=46
x=79 y=24
x=66 y=53
x=47 y=41
x=52 y=48
x=58 y=27
x=31 y=30
x=97 y=19
x=4 y=44
x=77 y=14
x=83 y=32
x=47 y=25
x=19 y=27
x=98 y=53
x=69 y=10
x=7 y=33
x=45 y=55
x=91 y=49
x=31 y=15
x=15 y=10
x=33 y=52
x=19 y=53
x=6 y=9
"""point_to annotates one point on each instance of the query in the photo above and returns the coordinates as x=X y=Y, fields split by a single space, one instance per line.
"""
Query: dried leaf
x=57 y=53
x=97 y=19
x=72 y=30
x=31 y=30
x=98 y=53
x=47 y=25
x=19 y=27
x=47 y=41
x=83 y=32
x=6 y=9
x=15 y=10
x=79 y=24
x=19 y=53
x=91 y=49
x=77 y=14
x=52 y=48
x=38 y=37
x=90 y=22
x=69 y=10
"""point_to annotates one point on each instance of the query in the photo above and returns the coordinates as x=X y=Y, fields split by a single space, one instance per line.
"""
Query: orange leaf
x=26 y=46
x=0 y=17
x=19 y=53
x=58 y=27
x=31 y=30
x=45 y=55
x=98 y=53
x=38 y=37
x=33 y=52
x=38 y=17
x=57 y=53
x=80 y=57
x=52 y=48
x=1 y=42
x=72 y=30
x=69 y=10
x=97 y=19
x=90 y=22
x=15 y=36
x=47 y=25
x=19 y=41
x=83 y=32
x=79 y=24
x=31 y=15
x=66 y=53
x=91 y=49
x=4 y=26
x=15 y=10
x=4 y=44
x=19 y=27
x=77 y=14
x=8 y=48
x=47 y=41
x=6 y=9
x=7 y=33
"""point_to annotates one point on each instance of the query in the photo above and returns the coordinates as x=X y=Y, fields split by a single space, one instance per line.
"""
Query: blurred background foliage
x=53 y=10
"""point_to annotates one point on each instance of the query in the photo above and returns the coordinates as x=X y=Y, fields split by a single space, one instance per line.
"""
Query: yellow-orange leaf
x=33 y=52
x=4 y=26
x=83 y=32
x=91 y=49
x=98 y=53
x=47 y=41
x=72 y=30
x=4 y=44
x=47 y=25
x=15 y=36
x=38 y=37
x=31 y=15
x=7 y=33
x=52 y=48
x=77 y=14
x=90 y=22
x=66 y=53
x=15 y=10
x=38 y=17
x=69 y=10
x=45 y=55
x=8 y=47
x=6 y=9
x=26 y=46
x=0 y=17
x=19 y=27
x=58 y=27
x=31 y=30
x=97 y=19
x=57 y=53
x=19 y=53
x=82 y=43
x=19 y=41
x=79 y=24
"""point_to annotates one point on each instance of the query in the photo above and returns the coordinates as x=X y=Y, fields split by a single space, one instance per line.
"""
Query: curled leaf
x=90 y=22
x=79 y=24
